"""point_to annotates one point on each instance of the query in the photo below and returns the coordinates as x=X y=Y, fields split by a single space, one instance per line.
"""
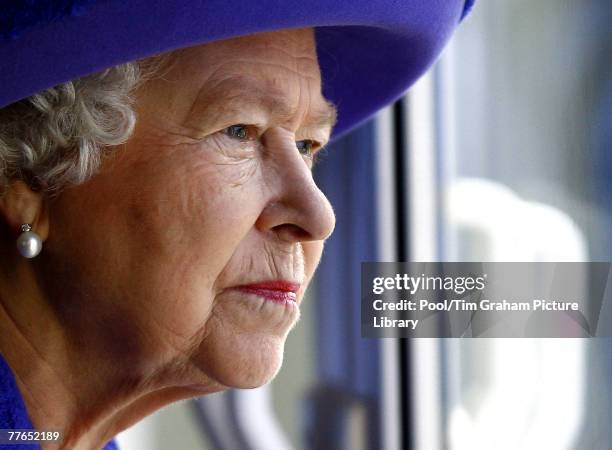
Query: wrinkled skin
x=140 y=264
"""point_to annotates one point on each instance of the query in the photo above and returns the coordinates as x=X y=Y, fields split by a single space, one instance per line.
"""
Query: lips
x=279 y=291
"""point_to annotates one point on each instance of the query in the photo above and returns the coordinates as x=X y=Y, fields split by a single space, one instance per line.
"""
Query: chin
x=241 y=361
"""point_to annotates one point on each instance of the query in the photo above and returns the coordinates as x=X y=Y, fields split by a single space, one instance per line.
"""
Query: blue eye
x=305 y=147
x=239 y=131
x=244 y=132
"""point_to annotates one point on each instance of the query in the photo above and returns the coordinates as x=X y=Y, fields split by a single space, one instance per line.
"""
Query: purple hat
x=370 y=51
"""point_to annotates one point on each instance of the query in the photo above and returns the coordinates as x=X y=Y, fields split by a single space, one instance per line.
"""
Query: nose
x=297 y=210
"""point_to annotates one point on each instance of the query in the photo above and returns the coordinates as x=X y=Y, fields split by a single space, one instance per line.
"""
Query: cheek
x=192 y=213
x=154 y=235
x=191 y=200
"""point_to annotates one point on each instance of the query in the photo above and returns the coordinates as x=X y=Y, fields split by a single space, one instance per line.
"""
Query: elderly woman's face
x=149 y=260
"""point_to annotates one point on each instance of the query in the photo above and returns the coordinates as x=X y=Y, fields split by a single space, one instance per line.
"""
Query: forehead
x=276 y=70
x=294 y=49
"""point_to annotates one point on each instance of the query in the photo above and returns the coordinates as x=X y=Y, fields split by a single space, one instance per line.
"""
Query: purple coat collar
x=13 y=413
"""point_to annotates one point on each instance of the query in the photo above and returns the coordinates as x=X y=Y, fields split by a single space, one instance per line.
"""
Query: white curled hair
x=59 y=136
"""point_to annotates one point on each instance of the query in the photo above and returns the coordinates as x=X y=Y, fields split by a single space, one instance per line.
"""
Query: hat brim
x=370 y=51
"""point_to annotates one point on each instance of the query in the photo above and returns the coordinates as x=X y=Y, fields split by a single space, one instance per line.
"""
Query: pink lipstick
x=278 y=291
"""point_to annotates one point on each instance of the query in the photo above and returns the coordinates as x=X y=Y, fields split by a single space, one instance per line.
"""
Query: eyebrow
x=322 y=116
x=245 y=91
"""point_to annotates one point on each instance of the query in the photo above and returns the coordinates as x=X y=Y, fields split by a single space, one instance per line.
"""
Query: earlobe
x=20 y=205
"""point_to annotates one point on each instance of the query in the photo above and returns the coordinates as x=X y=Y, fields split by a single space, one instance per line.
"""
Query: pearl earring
x=29 y=243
